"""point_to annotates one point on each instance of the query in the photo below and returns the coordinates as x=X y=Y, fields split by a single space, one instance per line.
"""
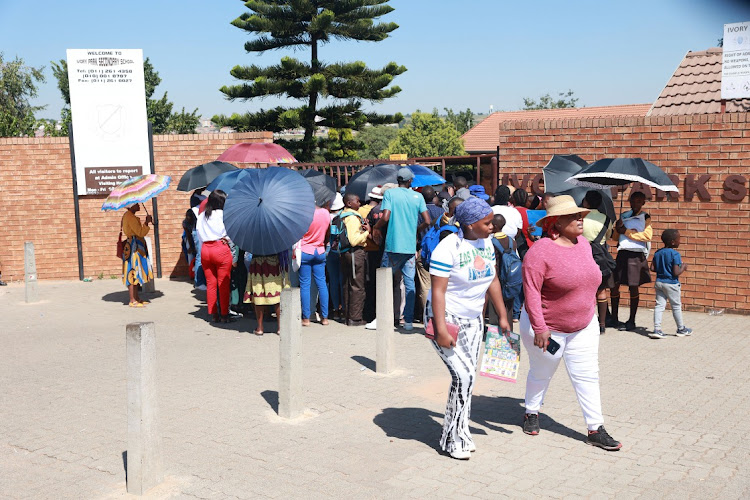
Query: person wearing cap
x=478 y=191
x=462 y=269
x=333 y=267
x=401 y=209
x=560 y=281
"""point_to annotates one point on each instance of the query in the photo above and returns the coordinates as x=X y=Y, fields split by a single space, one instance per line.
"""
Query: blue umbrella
x=269 y=210
x=423 y=176
x=227 y=180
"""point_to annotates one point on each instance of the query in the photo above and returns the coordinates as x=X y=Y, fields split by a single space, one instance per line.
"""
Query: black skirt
x=632 y=268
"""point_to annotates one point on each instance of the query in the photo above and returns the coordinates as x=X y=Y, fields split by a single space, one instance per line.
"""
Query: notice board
x=110 y=125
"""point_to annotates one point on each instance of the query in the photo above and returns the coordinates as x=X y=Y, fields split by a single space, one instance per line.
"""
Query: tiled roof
x=485 y=135
x=695 y=87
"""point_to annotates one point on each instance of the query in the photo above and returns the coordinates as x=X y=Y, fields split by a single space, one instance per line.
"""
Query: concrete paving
x=679 y=405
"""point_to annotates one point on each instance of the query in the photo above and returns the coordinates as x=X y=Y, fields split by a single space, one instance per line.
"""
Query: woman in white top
x=216 y=255
x=462 y=269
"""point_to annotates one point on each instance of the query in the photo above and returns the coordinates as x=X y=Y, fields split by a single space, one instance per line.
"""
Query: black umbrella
x=202 y=175
x=363 y=181
x=610 y=172
x=556 y=174
x=323 y=186
x=559 y=169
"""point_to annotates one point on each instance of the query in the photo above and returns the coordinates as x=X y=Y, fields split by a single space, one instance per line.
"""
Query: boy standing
x=353 y=261
x=668 y=266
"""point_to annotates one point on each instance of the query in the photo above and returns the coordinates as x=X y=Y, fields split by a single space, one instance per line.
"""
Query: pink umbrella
x=258 y=152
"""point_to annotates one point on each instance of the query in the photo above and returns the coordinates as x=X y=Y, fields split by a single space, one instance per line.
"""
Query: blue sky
x=469 y=54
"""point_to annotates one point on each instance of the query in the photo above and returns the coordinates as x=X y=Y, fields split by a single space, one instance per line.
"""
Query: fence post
x=384 y=315
x=29 y=265
x=144 y=461
x=290 y=354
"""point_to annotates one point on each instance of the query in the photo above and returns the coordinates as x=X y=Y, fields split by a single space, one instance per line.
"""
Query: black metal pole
x=79 y=240
x=157 y=247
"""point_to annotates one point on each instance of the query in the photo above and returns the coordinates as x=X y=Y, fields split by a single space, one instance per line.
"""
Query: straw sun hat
x=562 y=205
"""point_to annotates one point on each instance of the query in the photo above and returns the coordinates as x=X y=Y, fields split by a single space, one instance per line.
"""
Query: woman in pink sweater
x=560 y=280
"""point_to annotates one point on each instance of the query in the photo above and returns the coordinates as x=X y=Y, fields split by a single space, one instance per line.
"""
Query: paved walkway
x=680 y=406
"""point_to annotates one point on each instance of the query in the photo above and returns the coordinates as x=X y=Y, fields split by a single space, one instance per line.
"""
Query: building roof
x=485 y=135
x=695 y=87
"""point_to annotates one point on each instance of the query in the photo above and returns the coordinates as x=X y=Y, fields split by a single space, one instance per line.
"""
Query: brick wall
x=714 y=232
x=37 y=188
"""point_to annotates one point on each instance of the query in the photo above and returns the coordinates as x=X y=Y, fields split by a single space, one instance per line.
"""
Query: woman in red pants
x=216 y=255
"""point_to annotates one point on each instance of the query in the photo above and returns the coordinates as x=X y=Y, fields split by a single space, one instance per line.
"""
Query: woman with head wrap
x=560 y=279
x=462 y=269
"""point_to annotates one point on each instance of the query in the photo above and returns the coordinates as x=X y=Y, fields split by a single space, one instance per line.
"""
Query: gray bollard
x=384 y=314
x=29 y=266
x=150 y=287
x=144 y=461
x=290 y=354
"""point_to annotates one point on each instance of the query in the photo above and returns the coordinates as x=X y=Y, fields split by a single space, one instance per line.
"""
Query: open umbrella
x=202 y=175
x=556 y=174
x=424 y=176
x=323 y=186
x=257 y=152
x=137 y=189
x=363 y=181
x=226 y=181
x=269 y=210
x=610 y=172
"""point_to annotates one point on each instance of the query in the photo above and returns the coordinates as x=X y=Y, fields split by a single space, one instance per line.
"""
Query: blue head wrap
x=471 y=211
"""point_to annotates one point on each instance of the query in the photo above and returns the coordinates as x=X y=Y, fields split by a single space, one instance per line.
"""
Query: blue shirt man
x=401 y=209
x=664 y=261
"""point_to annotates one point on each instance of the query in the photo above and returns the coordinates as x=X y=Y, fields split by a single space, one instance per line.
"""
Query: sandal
x=137 y=304
x=144 y=301
x=259 y=333
x=305 y=321
x=324 y=321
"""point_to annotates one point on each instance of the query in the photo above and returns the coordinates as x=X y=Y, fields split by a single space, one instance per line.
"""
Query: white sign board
x=735 y=67
x=110 y=127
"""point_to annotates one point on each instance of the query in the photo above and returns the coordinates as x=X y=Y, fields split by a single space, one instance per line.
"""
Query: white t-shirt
x=211 y=229
x=513 y=220
x=469 y=266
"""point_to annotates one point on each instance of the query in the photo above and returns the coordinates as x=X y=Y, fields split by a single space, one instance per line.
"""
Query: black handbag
x=601 y=254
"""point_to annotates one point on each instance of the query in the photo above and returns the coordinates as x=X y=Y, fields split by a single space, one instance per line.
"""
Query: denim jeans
x=313 y=265
x=335 y=281
x=668 y=292
x=405 y=263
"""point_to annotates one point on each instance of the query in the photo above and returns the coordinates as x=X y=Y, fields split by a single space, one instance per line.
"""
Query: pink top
x=560 y=285
x=314 y=238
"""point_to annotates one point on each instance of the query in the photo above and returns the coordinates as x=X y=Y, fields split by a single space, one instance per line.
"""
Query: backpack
x=431 y=239
x=339 y=237
x=511 y=276
x=600 y=252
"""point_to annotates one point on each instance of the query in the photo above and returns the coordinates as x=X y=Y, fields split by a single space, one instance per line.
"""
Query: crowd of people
x=460 y=258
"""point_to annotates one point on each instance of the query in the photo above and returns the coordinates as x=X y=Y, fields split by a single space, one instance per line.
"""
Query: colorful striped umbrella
x=136 y=190
x=259 y=152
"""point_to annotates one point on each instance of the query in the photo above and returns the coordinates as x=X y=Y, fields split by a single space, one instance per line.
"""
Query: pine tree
x=332 y=93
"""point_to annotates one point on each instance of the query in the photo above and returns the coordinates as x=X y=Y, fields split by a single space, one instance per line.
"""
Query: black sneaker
x=2 y=283
x=602 y=439
x=531 y=424
x=611 y=322
x=627 y=326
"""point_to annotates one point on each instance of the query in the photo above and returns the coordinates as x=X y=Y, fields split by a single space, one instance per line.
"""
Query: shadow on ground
x=123 y=296
x=272 y=398
x=366 y=362
x=416 y=424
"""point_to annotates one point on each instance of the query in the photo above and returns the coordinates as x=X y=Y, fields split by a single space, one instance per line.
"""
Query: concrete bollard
x=32 y=294
x=290 y=354
x=384 y=314
x=144 y=460
x=150 y=287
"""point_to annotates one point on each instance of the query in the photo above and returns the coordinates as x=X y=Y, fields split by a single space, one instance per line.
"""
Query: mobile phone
x=552 y=346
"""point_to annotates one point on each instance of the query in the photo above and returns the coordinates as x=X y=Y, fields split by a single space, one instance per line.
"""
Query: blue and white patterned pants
x=462 y=365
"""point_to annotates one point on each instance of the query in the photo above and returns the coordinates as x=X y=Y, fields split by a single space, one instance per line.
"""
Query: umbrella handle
x=147 y=214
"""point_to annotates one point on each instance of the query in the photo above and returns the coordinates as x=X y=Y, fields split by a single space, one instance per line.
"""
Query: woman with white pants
x=560 y=281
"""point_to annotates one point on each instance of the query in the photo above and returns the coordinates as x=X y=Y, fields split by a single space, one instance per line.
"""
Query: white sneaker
x=472 y=447
x=460 y=455
x=372 y=325
x=408 y=327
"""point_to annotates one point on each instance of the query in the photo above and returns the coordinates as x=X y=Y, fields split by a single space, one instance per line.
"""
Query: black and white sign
x=735 y=68
x=110 y=125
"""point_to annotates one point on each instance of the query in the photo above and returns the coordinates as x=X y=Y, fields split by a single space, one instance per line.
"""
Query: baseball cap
x=405 y=174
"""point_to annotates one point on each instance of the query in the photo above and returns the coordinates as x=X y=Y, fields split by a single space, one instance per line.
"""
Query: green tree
x=427 y=135
x=159 y=111
x=340 y=145
x=375 y=139
x=463 y=120
x=17 y=87
x=332 y=94
x=565 y=100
